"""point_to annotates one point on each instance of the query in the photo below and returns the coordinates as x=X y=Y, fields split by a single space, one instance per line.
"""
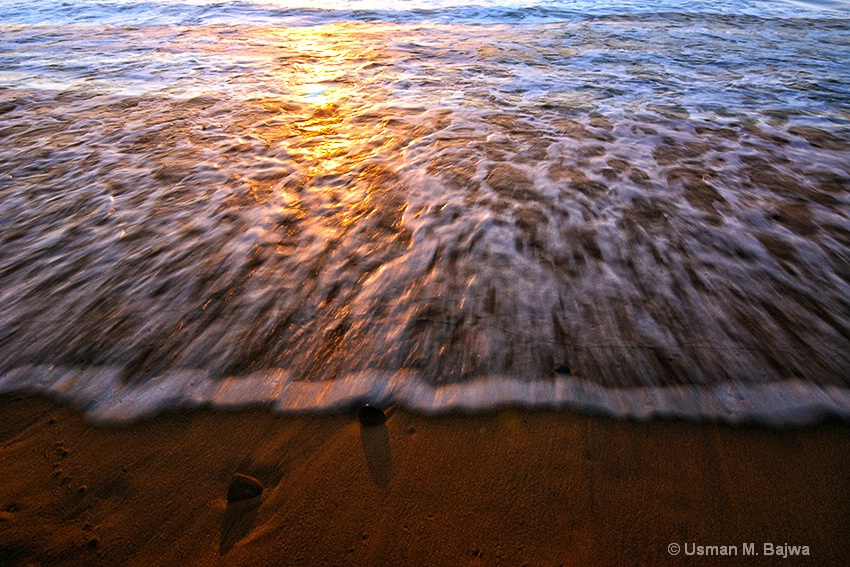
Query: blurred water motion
x=601 y=213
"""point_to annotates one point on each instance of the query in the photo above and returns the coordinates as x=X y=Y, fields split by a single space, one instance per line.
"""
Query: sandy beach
x=509 y=487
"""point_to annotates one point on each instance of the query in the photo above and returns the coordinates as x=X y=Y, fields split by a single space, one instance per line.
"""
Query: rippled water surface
x=640 y=210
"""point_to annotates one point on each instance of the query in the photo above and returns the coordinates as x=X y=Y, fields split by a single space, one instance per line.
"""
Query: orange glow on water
x=335 y=140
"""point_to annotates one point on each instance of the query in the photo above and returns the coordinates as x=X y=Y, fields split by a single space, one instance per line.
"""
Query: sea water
x=638 y=208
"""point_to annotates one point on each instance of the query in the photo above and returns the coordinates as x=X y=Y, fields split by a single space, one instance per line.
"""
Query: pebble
x=562 y=368
x=370 y=415
x=243 y=487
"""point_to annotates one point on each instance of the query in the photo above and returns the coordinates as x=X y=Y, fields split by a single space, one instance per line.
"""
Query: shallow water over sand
x=644 y=214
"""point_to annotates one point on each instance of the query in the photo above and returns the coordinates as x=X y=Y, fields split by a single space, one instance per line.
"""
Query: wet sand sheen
x=505 y=487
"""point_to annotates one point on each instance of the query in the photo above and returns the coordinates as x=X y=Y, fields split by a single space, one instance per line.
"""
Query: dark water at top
x=639 y=208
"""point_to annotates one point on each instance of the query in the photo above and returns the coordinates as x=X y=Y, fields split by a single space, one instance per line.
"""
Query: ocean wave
x=641 y=217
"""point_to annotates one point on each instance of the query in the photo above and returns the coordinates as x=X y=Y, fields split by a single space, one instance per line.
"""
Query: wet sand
x=509 y=487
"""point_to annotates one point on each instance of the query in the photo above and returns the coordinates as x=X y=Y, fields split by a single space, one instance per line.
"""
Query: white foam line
x=103 y=396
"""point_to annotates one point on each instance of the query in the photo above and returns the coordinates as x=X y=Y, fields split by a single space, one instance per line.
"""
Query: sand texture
x=507 y=487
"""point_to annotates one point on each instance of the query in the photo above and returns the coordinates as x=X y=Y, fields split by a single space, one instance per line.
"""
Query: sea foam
x=548 y=205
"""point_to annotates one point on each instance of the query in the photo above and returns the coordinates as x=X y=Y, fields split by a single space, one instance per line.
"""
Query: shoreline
x=107 y=397
x=506 y=487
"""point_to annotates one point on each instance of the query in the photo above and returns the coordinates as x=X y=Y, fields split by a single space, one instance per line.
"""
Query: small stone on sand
x=371 y=415
x=243 y=487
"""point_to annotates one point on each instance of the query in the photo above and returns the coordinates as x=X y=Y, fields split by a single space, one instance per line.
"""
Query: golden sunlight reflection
x=336 y=140
x=328 y=143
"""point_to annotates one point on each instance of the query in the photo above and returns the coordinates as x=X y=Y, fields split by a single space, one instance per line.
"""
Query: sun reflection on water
x=335 y=134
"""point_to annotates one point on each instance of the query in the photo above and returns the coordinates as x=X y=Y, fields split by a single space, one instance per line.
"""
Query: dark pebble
x=243 y=487
x=562 y=368
x=370 y=415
